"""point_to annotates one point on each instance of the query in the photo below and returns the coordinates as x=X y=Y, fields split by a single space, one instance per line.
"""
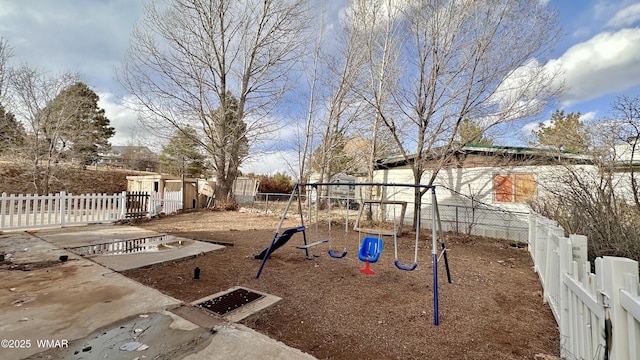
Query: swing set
x=371 y=246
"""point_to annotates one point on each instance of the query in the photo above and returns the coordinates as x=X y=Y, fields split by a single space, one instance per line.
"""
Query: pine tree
x=85 y=130
x=12 y=133
x=563 y=133
x=471 y=133
x=182 y=155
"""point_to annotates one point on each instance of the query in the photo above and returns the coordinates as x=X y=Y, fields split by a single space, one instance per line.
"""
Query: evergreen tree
x=471 y=133
x=182 y=155
x=564 y=133
x=12 y=133
x=85 y=130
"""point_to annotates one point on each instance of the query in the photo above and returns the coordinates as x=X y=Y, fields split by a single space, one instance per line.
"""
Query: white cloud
x=586 y=117
x=270 y=163
x=607 y=63
x=530 y=127
x=122 y=118
x=603 y=9
x=524 y=92
x=89 y=37
x=365 y=15
x=626 y=17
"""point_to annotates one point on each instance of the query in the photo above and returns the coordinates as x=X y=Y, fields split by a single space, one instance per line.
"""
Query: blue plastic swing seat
x=371 y=247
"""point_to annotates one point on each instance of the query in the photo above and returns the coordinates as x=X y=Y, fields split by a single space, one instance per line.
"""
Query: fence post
x=613 y=272
x=457 y=232
x=565 y=267
x=631 y=289
x=579 y=253
x=63 y=207
x=3 y=208
x=122 y=211
x=532 y=235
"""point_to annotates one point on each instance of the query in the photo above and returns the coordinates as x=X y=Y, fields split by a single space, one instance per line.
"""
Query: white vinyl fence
x=33 y=211
x=598 y=313
x=62 y=209
x=168 y=202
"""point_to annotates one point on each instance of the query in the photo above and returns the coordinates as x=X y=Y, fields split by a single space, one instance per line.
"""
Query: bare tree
x=465 y=60
x=334 y=105
x=306 y=136
x=600 y=200
x=376 y=26
x=188 y=56
x=32 y=93
x=5 y=54
x=626 y=114
x=343 y=104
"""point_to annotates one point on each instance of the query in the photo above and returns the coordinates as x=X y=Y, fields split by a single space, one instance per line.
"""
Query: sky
x=599 y=53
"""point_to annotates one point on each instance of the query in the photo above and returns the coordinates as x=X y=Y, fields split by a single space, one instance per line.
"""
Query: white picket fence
x=62 y=209
x=33 y=211
x=586 y=305
x=168 y=202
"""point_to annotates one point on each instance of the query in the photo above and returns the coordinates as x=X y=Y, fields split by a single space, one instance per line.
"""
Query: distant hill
x=17 y=180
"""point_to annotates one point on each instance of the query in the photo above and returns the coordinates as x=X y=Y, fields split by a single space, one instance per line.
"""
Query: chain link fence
x=481 y=221
x=473 y=220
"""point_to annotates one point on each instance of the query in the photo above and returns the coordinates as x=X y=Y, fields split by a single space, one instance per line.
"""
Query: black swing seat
x=322 y=241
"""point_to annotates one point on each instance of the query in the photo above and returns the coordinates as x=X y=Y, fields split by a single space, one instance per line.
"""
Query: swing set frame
x=397 y=231
x=436 y=228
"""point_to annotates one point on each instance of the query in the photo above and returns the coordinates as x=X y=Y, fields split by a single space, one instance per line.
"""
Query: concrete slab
x=235 y=341
x=132 y=261
x=97 y=234
x=20 y=248
x=86 y=235
x=78 y=309
x=197 y=315
x=63 y=301
x=153 y=336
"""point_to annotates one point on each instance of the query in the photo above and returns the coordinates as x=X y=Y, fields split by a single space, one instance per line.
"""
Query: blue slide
x=281 y=240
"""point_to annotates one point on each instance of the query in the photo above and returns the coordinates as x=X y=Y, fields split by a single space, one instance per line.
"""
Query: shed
x=245 y=190
x=196 y=194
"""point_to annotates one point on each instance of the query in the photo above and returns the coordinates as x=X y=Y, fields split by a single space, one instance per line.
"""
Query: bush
x=586 y=203
x=279 y=183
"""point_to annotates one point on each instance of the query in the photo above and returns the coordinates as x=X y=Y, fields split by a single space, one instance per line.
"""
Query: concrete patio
x=87 y=310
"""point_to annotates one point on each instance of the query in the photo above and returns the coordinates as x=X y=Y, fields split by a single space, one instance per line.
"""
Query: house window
x=517 y=188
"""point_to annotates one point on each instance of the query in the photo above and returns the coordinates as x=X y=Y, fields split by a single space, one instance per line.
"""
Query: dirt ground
x=493 y=309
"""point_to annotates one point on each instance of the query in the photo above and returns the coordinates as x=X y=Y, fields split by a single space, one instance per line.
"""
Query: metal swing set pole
x=434 y=253
x=436 y=228
x=294 y=192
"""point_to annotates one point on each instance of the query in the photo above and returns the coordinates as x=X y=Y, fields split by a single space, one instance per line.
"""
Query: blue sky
x=600 y=52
